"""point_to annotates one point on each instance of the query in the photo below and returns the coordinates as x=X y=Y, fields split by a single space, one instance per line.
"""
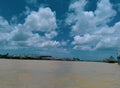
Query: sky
x=87 y=29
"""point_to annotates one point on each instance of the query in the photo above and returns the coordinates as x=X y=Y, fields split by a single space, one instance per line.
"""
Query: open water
x=58 y=74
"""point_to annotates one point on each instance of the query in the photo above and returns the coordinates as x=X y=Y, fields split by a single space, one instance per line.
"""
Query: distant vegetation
x=32 y=57
x=110 y=59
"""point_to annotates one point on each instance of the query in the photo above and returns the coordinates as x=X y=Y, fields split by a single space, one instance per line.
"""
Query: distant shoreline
x=41 y=59
x=51 y=58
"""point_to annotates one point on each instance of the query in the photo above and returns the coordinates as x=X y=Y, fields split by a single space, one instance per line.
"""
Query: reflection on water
x=57 y=74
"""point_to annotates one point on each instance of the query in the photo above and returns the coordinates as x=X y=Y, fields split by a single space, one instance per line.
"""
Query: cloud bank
x=90 y=29
x=28 y=33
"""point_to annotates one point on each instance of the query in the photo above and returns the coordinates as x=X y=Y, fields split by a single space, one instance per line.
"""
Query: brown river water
x=58 y=74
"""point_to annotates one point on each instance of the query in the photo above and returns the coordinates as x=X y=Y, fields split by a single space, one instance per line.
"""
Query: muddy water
x=57 y=74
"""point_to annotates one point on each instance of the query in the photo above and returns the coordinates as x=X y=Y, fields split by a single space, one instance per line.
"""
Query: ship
x=118 y=58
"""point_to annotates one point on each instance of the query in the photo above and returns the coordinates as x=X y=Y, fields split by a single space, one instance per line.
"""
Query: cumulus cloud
x=104 y=11
x=5 y=29
x=43 y=20
x=29 y=34
x=4 y=25
x=90 y=30
x=51 y=35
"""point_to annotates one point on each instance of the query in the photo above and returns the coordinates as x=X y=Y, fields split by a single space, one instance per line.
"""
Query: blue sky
x=88 y=29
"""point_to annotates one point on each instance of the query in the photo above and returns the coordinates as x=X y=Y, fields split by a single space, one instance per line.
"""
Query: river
x=58 y=74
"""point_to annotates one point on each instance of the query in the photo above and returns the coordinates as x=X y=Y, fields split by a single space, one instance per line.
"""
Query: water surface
x=57 y=74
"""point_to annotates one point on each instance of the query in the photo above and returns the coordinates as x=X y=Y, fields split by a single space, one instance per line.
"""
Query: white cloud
x=44 y=20
x=108 y=42
x=49 y=43
x=5 y=29
x=89 y=29
x=28 y=33
x=4 y=25
x=51 y=35
x=82 y=47
x=20 y=35
x=80 y=18
x=104 y=11
x=64 y=43
x=110 y=39
x=87 y=38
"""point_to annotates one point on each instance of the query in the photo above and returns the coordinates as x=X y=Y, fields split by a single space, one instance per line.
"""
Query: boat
x=118 y=58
